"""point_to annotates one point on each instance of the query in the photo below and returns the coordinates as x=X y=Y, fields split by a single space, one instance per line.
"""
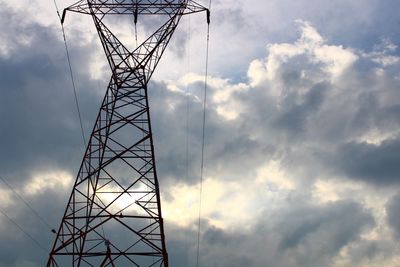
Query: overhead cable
x=23 y=231
x=71 y=75
x=26 y=203
x=203 y=136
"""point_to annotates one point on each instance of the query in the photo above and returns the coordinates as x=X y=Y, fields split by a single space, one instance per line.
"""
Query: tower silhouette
x=113 y=216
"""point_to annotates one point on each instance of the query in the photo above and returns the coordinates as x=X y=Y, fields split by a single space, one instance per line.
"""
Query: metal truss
x=113 y=217
x=125 y=7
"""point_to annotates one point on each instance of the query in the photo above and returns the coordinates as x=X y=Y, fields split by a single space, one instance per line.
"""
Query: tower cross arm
x=141 y=7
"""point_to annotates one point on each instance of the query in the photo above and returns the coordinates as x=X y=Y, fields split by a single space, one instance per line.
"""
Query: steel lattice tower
x=113 y=217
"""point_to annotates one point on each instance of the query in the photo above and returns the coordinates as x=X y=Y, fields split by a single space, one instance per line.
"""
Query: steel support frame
x=117 y=188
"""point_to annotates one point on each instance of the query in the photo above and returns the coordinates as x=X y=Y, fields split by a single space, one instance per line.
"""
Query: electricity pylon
x=113 y=217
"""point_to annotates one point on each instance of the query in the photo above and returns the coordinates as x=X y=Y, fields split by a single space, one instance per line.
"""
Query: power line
x=203 y=135
x=74 y=89
x=29 y=206
x=22 y=230
x=72 y=75
x=26 y=203
x=187 y=90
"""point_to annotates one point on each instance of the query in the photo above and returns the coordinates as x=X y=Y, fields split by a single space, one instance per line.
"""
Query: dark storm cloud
x=168 y=114
x=39 y=129
x=20 y=250
x=327 y=133
x=378 y=164
x=314 y=226
x=368 y=250
x=312 y=235
x=294 y=120
x=39 y=119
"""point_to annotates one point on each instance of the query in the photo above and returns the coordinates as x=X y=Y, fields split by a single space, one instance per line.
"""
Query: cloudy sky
x=302 y=159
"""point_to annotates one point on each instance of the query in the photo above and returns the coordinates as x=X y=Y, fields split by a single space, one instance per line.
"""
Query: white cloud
x=278 y=54
x=230 y=204
x=218 y=200
x=222 y=95
x=48 y=180
x=382 y=58
x=383 y=54
x=5 y=197
x=273 y=175
x=334 y=60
